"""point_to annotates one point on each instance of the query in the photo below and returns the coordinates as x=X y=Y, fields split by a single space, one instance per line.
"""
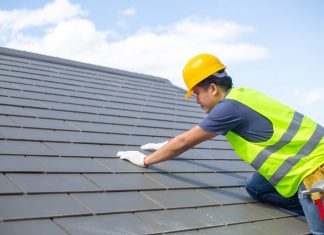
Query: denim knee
x=250 y=187
x=258 y=187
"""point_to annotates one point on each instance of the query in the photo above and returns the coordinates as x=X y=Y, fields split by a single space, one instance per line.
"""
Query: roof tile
x=116 y=202
x=114 y=224
x=180 y=198
x=35 y=227
x=17 y=163
x=17 y=207
x=7 y=187
x=114 y=182
x=53 y=183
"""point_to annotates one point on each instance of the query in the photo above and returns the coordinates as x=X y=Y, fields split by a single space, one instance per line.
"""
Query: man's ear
x=213 y=89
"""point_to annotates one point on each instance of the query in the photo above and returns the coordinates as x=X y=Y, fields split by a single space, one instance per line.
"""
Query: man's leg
x=261 y=190
x=312 y=215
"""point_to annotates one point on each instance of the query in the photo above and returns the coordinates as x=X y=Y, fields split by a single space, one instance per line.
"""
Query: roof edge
x=77 y=64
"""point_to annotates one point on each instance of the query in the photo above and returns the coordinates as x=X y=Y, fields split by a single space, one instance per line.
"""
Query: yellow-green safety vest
x=295 y=149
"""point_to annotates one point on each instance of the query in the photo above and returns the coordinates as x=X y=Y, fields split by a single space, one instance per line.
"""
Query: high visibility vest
x=295 y=149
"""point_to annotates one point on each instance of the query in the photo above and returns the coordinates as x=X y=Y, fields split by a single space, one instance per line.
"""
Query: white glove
x=134 y=157
x=153 y=146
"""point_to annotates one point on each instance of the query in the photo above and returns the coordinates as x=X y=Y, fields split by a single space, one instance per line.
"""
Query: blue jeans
x=261 y=190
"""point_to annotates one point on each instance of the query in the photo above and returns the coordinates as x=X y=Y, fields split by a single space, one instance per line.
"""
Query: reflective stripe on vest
x=285 y=139
x=305 y=151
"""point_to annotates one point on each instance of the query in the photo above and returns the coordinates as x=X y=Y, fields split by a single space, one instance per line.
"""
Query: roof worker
x=285 y=147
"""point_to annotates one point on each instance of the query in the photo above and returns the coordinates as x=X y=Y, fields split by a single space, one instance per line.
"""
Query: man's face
x=207 y=99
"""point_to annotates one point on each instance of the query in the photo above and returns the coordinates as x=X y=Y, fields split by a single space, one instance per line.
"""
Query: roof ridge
x=78 y=64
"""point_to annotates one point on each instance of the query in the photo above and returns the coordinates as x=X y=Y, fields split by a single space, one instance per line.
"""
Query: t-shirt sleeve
x=224 y=117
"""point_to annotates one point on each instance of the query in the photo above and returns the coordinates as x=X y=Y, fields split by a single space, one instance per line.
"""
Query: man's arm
x=179 y=144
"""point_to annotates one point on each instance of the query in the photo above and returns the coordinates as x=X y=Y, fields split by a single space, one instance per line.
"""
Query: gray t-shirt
x=231 y=115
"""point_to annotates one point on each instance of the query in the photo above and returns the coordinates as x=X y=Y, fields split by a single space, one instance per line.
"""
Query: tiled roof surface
x=61 y=125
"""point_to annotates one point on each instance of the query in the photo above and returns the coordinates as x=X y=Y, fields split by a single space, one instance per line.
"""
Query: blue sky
x=273 y=46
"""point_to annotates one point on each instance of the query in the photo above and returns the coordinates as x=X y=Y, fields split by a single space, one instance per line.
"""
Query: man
x=285 y=147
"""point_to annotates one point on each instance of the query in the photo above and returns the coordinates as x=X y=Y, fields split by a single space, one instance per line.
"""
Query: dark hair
x=224 y=82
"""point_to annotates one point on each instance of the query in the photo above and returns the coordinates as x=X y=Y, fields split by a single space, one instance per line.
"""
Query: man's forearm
x=178 y=145
x=173 y=148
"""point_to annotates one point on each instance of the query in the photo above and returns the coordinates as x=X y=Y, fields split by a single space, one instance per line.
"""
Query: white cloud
x=161 y=51
x=309 y=102
x=129 y=11
x=313 y=97
x=51 y=13
x=122 y=24
x=73 y=39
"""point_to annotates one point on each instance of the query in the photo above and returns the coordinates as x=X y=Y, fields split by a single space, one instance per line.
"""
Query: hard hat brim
x=189 y=93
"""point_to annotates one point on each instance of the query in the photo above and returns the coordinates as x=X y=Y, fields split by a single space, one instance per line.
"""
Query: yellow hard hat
x=198 y=68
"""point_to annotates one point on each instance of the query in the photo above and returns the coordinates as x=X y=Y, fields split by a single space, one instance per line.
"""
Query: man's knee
x=250 y=187
x=257 y=186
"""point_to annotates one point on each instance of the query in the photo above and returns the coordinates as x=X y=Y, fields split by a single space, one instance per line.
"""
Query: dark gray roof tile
x=114 y=120
x=12 y=133
x=224 y=165
x=42 y=123
x=168 y=220
x=246 y=228
x=114 y=224
x=20 y=102
x=231 y=214
x=24 y=148
x=215 y=144
x=193 y=154
x=35 y=227
x=16 y=207
x=163 y=124
x=180 y=198
x=98 y=127
x=7 y=187
x=16 y=110
x=289 y=226
x=63 y=115
x=219 y=154
x=180 y=180
x=78 y=150
x=228 y=195
x=67 y=107
x=269 y=210
x=6 y=121
x=184 y=166
x=6 y=85
x=145 y=131
x=53 y=183
x=199 y=180
x=115 y=202
x=17 y=164
x=32 y=95
x=223 y=179
x=69 y=164
x=88 y=137
x=114 y=182
x=133 y=139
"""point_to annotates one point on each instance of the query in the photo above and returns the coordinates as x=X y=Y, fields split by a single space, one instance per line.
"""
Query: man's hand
x=134 y=157
x=153 y=146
